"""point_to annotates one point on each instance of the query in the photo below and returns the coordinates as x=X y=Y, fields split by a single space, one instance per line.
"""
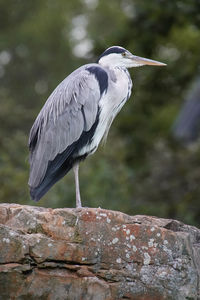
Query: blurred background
x=151 y=161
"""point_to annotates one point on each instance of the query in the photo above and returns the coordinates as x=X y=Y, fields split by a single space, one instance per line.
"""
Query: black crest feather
x=114 y=49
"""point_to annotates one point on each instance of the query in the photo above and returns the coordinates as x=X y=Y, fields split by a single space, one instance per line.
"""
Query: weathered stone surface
x=95 y=254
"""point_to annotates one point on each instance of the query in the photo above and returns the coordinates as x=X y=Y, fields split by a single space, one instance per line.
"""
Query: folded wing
x=70 y=111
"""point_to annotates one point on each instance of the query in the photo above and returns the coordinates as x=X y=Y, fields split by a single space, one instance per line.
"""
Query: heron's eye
x=124 y=54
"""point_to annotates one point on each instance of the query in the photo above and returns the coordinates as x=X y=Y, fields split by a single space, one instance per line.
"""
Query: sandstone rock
x=95 y=254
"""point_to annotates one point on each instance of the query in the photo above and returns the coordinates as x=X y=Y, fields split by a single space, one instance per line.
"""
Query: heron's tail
x=49 y=180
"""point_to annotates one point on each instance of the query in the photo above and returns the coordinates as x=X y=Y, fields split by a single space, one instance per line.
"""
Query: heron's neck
x=108 y=64
x=124 y=70
x=114 y=67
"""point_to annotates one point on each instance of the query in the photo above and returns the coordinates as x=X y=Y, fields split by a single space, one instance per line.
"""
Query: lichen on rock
x=95 y=254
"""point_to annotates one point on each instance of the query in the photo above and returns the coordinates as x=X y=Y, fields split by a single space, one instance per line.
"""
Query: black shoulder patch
x=101 y=76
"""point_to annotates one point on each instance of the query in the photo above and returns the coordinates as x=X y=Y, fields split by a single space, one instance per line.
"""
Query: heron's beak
x=140 y=61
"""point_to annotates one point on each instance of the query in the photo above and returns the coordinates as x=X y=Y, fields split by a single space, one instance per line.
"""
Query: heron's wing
x=70 y=110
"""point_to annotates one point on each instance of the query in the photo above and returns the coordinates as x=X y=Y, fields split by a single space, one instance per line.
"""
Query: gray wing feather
x=70 y=110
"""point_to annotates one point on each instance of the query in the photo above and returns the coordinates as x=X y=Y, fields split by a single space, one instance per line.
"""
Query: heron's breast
x=110 y=104
x=117 y=94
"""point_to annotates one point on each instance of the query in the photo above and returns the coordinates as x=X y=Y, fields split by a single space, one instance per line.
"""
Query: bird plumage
x=70 y=111
x=75 y=118
x=62 y=128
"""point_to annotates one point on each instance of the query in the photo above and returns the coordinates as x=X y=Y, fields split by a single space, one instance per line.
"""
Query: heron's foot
x=82 y=207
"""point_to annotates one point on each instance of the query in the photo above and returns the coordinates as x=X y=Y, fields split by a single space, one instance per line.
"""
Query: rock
x=95 y=254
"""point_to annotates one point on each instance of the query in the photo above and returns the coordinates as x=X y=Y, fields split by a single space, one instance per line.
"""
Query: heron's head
x=120 y=57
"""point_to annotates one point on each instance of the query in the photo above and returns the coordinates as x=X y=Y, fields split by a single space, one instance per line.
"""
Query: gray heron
x=77 y=116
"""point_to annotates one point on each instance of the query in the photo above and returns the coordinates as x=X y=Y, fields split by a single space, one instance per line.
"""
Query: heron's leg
x=78 y=196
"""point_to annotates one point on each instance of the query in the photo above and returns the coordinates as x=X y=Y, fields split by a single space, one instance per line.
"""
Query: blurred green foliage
x=141 y=169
